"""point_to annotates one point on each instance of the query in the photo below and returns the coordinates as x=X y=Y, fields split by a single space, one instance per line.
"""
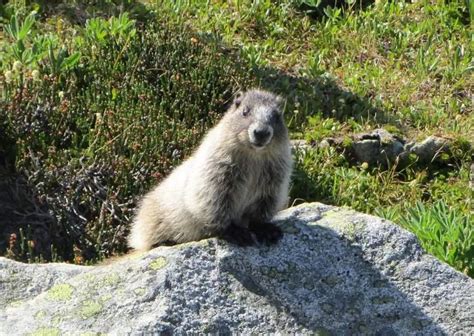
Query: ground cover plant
x=99 y=100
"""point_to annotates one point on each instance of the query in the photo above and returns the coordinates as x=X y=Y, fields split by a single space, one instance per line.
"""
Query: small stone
x=324 y=144
x=367 y=150
x=430 y=149
x=377 y=147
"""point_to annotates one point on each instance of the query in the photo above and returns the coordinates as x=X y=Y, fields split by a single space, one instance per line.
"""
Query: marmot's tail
x=138 y=239
x=146 y=229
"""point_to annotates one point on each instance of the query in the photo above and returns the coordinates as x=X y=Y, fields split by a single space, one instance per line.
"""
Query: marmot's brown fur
x=230 y=187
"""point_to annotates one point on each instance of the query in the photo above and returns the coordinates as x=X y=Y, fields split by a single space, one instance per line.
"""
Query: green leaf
x=71 y=61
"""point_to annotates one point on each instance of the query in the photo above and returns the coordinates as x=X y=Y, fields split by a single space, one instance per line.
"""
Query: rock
x=325 y=143
x=377 y=147
x=367 y=150
x=299 y=144
x=428 y=150
x=380 y=147
x=335 y=272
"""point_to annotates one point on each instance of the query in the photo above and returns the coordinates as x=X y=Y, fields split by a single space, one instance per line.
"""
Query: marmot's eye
x=275 y=116
x=245 y=111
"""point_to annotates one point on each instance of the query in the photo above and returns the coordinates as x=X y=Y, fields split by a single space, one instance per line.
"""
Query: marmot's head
x=257 y=118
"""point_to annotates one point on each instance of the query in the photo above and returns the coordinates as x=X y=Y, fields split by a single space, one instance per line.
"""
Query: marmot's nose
x=261 y=133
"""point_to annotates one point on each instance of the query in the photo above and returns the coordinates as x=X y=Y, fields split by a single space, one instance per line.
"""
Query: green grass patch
x=442 y=229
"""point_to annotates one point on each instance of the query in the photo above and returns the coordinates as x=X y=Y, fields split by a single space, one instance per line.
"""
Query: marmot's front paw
x=267 y=233
x=237 y=235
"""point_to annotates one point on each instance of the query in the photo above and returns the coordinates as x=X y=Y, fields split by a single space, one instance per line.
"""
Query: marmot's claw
x=267 y=233
x=237 y=235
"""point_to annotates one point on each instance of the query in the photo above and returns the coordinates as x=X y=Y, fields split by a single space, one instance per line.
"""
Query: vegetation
x=99 y=100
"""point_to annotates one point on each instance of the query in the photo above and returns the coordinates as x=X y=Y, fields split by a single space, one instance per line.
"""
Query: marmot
x=230 y=187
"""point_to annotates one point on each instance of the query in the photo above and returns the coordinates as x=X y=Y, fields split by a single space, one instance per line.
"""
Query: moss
x=158 y=263
x=461 y=149
x=56 y=320
x=394 y=130
x=61 y=292
x=340 y=219
x=105 y=298
x=40 y=314
x=202 y=242
x=46 y=332
x=89 y=308
x=100 y=281
x=110 y=279
x=15 y=303
x=347 y=141
x=139 y=291
x=89 y=277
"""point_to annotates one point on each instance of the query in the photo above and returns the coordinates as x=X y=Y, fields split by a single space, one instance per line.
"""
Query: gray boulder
x=429 y=149
x=335 y=272
x=377 y=147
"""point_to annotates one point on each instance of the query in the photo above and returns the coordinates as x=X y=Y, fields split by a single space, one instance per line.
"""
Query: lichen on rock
x=89 y=308
x=60 y=292
x=157 y=264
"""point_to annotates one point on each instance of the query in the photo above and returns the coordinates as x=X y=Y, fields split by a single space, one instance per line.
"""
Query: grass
x=101 y=100
x=443 y=231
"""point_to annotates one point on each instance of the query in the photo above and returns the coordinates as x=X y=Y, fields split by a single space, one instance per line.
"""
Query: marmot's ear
x=281 y=102
x=238 y=98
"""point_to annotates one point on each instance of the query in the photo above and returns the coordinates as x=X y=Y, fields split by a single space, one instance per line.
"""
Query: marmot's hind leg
x=237 y=235
x=267 y=233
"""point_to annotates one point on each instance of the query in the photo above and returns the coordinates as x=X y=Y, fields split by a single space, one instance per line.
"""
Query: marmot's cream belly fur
x=230 y=187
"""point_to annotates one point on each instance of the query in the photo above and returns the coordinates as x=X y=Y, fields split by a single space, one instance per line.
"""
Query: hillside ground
x=100 y=100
